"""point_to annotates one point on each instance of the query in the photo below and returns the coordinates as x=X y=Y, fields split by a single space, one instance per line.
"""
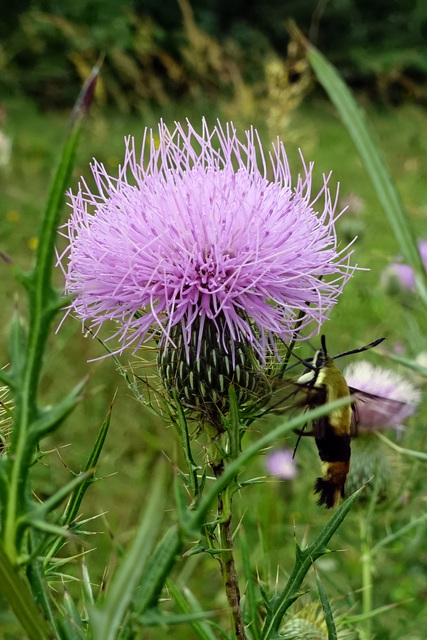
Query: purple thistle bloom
x=403 y=274
x=397 y=398
x=192 y=231
x=281 y=463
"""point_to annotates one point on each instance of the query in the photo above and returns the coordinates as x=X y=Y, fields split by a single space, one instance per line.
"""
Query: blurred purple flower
x=281 y=463
x=397 y=398
x=193 y=232
x=403 y=274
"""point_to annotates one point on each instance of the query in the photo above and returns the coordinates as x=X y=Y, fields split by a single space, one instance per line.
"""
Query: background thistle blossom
x=377 y=415
x=282 y=464
x=397 y=276
x=397 y=400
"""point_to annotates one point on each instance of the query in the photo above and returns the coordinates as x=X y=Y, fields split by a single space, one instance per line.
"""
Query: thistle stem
x=220 y=451
x=227 y=564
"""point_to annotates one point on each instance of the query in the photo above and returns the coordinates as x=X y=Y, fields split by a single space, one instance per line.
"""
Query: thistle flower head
x=393 y=399
x=195 y=237
x=397 y=276
x=308 y=623
x=192 y=229
x=371 y=465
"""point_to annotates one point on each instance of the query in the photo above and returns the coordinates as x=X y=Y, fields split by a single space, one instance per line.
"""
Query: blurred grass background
x=190 y=68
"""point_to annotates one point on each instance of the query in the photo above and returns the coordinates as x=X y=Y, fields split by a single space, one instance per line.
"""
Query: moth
x=321 y=383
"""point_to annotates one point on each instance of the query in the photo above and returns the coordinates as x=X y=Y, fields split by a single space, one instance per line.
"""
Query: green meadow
x=271 y=513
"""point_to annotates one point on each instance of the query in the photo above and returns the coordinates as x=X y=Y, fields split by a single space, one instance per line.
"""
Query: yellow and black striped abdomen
x=332 y=435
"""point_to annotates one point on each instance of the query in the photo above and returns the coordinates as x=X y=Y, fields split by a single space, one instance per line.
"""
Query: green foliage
x=280 y=603
x=377 y=171
x=169 y=551
x=164 y=53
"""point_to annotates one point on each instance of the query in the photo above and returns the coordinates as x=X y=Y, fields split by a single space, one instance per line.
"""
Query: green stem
x=21 y=600
x=43 y=304
x=367 y=592
x=228 y=450
x=227 y=564
x=17 y=490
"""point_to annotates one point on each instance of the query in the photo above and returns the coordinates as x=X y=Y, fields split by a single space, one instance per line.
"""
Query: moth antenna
x=306 y=363
x=371 y=345
x=323 y=343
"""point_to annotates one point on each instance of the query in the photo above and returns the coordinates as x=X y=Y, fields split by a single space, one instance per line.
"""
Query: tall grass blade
x=21 y=601
x=399 y=533
x=419 y=455
x=364 y=140
x=190 y=606
x=106 y=621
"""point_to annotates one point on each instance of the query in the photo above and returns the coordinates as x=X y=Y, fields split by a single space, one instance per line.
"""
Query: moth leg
x=302 y=433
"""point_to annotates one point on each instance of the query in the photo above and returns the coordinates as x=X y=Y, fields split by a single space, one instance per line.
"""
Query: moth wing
x=379 y=406
x=288 y=394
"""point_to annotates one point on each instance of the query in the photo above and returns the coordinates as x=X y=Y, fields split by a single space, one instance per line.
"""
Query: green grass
x=273 y=512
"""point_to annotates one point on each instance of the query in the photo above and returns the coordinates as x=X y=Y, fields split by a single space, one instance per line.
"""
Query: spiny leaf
x=42 y=510
x=17 y=347
x=73 y=506
x=251 y=617
x=304 y=561
x=51 y=418
x=327 y=611
x=157 y=570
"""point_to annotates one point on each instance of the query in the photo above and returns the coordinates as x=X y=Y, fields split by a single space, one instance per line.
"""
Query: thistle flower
x=193 y=245
x=281 y=463
x=398 y=276
x=309 y=623
x=397 y=398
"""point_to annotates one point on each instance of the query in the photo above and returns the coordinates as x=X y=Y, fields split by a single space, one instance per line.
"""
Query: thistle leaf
x=51 y=418
x=304 y=561
x=329 y=618
x=251 y=617
x=73 y=505
x=42 y=510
